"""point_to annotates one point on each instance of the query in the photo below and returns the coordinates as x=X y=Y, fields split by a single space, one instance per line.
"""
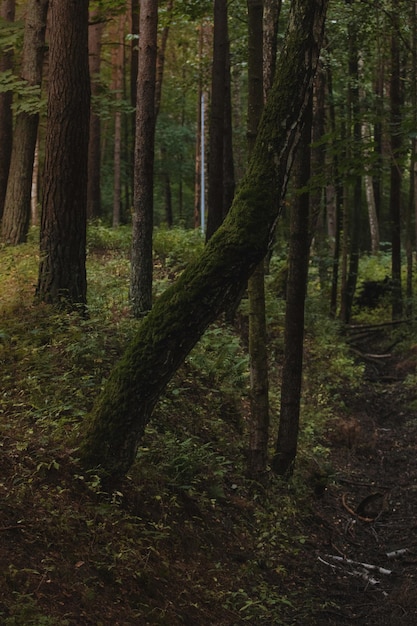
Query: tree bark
x=95 y=31
x=335 y=193
x=7 y=12
x=352 y=183
x=298 y=255
x=118 y=58
x=412 y=197
x=160 y=56
x=141 y=261
x=215 y=182
x=396 y=172
x=272 y=10
x=62 y=274
x=180 y=316
x=16 y=216
x=258 y=354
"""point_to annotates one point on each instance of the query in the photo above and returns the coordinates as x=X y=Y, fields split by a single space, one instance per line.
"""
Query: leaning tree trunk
x=17 y=205
x=206 y=286
x=62 y=273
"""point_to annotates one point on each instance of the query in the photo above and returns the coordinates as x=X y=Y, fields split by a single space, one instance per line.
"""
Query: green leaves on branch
x=28 y=96
x=107 y=103
x=11 y=35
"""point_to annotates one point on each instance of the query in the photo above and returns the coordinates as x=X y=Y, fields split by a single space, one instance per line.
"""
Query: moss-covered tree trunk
x=184 y=310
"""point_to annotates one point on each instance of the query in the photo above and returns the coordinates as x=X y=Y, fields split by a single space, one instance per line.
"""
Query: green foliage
x=107 y=103
x=102 y=238
x=176 y=247
x=25 y=612
x=11 y=35
x=162 y=533
x=186 y=464
x=28 y=96
x=222 y=358
x=193 y=9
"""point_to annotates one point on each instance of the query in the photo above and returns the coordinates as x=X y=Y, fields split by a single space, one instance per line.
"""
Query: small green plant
x=25 y=612
x=176 y=247
x=221 y=356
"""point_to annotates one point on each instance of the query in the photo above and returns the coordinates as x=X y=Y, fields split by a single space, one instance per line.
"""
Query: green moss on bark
x=185 y=310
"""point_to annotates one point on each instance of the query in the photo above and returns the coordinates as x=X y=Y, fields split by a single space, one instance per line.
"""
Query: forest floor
x=153 y=553
x=362 y=545
x=187 y=539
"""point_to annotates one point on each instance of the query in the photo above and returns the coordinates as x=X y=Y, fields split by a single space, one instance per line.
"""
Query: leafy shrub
x=176 y=247
x=101 y=238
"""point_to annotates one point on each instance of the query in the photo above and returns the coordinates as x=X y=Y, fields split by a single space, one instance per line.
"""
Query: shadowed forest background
x=207 y=312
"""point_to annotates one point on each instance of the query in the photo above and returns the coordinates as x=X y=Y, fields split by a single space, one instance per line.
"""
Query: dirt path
x=368 y=512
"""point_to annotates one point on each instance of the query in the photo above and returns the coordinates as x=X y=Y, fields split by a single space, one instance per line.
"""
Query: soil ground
x=362 y=548
x=157 y=553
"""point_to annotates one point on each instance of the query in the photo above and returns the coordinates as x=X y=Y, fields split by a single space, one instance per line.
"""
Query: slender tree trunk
x=258 y=354
x=379 y=81
x=16 y=216
x=141 y=262
x=396 y=173
x=272 y=10
x=216 y=131
x=62 y=273
x=134 y=59
x=228 y=160
x=95 y=32
x=34 y=194
x=353 y=184
x=211 y=283
x=317 y=227
x=160 y=65
x=200 y=139
x=366 y=136
x=298 y=255
x=118 y=69
x=370 y=190
x=337 y=195
x=7 y=12
x=198 y=159
x=412 y=204
x=161 y=52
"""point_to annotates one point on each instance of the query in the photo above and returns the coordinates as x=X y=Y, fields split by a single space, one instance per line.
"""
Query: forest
x=208 y=243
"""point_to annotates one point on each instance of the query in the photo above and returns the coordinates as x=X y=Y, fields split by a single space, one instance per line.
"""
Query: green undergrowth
x=186 y=538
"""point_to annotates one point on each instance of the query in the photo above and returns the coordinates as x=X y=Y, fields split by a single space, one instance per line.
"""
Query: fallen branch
x=396 y=553
x=352 y=512
x=367 y=566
